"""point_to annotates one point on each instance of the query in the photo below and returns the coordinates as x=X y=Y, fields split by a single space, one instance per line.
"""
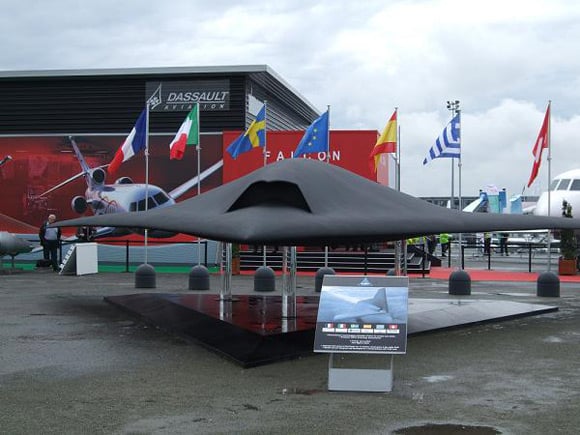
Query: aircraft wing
x=180 y=190
x=99 y=233
x=65 y=182
x=364 y=314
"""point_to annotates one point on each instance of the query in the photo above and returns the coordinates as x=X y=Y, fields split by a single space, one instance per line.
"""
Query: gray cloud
x=503 y=60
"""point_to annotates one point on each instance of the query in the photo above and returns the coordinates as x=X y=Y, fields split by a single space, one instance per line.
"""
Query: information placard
x=362 y=314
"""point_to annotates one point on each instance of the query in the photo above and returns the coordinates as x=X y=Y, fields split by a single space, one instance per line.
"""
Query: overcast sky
x=502 y=59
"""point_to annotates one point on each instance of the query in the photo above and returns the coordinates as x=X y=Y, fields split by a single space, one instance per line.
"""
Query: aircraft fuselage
x=119 y=198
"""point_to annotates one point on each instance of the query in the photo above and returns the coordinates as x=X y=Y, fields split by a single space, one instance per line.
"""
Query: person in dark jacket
x=50 y=241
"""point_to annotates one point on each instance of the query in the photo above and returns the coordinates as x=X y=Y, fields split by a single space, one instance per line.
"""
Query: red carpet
x=496 y=275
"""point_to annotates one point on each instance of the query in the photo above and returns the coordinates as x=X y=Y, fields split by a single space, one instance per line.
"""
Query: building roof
x=257 y=72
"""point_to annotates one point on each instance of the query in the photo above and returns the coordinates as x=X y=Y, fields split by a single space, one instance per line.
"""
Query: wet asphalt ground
x=72 y=364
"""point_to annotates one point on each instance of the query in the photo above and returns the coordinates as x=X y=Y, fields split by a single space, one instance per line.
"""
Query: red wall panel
x=348 y=149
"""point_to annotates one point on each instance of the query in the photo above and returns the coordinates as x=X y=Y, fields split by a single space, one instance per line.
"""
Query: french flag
x=134 y=143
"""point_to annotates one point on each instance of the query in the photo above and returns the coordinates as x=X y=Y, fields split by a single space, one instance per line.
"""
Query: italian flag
x=188 y=134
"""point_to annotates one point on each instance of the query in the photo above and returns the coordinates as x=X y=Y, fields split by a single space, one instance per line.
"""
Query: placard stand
x=362 y=324
x=378 y=380
x=81 y=259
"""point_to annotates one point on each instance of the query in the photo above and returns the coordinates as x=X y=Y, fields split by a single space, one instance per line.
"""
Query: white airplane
x=123 y=195
x=565 y=186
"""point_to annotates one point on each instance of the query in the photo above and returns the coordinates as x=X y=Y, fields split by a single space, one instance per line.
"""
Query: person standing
x=431 y=243
x=503 y=239
x=445 y=241
x=50 y=241
x=487 y=243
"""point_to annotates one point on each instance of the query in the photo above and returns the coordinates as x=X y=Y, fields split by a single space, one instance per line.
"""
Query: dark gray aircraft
x=372 y=310
x=12 y=245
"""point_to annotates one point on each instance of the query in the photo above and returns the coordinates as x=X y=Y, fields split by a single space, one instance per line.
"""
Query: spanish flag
x=386 y=143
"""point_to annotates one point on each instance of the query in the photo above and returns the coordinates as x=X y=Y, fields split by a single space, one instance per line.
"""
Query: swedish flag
x=254 y=137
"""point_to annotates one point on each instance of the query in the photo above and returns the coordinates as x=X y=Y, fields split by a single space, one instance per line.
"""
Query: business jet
x=123 y=195
x=565 y=186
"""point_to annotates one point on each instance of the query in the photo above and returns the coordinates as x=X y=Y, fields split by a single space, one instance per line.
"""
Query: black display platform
x=251 y=331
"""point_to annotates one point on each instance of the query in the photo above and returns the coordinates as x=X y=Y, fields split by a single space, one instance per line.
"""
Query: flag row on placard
x=315 y=140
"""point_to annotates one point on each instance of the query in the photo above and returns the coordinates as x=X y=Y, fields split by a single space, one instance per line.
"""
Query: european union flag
x=254 y=137
x=315 y=138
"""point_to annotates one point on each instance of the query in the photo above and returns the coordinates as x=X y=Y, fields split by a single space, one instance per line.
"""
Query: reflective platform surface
x=251 y=330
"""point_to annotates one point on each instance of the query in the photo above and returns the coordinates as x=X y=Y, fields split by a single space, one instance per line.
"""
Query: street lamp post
x=453 y=106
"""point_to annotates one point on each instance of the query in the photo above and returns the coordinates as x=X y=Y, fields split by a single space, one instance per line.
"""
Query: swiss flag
x=541 y=142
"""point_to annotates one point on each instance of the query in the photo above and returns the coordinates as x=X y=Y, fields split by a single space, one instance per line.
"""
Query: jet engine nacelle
x=124 y=180
x=98 y=176
x=79 y=204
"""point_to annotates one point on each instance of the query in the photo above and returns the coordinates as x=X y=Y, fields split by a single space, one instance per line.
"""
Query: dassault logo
x=180 y=96
x=197 y=97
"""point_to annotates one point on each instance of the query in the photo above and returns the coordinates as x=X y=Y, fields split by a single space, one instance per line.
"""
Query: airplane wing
x=475 y=205
x=180 y=190
x=65 y=182
x=99 y=233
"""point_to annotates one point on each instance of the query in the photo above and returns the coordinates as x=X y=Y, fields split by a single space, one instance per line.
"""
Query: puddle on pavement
x=447 y=429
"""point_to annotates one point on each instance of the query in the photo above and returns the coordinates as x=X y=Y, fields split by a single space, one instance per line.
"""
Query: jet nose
x=553 y=203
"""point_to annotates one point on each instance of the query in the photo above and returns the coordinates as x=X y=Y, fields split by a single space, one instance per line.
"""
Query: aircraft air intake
x=79 y=204
x=98 y=176
x=124 y=180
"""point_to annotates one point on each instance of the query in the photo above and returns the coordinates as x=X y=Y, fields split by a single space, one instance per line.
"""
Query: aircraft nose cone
x=555 y=203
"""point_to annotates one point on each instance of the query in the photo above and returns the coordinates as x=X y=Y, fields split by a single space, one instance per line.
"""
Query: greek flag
x=448 y=144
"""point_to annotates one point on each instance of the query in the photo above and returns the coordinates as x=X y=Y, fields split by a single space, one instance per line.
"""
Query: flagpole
x=549 y=181
x=459 y=192
x=265 y=163
x=146 y=172
x=327 y=161
x=198 y=149
x=265 y=132
x=399 y=243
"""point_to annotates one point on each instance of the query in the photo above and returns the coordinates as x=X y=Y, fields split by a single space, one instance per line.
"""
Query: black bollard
x=145 y=276
x=459 y=283
x=264 y=279
x=319 y=277
x=199 y=278
x=548 y=285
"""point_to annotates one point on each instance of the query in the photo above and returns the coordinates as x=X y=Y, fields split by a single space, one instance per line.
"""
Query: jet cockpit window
x=152 y=202
x=564 y=183
x=161 y=198
x=554 y=184
x=141 y=205
x=575 y=185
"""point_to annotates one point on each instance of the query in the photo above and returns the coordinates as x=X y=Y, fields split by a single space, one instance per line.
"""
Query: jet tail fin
x=86 y=170
x=85 y=167
x=380 y=299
